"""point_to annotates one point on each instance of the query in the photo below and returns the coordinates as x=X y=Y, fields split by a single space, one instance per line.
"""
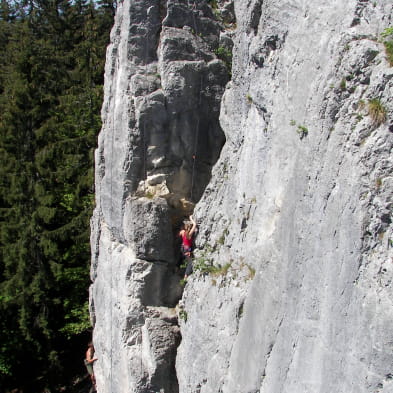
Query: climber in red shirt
x=186 y=233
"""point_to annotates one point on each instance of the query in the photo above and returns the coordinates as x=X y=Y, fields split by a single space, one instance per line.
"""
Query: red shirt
x=186 y=242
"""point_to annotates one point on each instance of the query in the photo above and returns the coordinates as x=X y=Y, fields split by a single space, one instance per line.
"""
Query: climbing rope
x=196 y=141
x=144 y=121
x=193 y=7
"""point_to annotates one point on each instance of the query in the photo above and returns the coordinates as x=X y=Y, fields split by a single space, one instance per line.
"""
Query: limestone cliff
x=159 y=141
x=292 y=290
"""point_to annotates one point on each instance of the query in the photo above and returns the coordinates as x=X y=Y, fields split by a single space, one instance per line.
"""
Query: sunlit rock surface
x=159 y=141
x=292 y=289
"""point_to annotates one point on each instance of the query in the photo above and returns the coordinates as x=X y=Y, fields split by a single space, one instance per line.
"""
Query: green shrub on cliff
x=387 y=35
x=377 y=111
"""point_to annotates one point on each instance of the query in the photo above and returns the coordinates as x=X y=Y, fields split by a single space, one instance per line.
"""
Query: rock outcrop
x=302 y=196
x=159 y=141
x=292 y=289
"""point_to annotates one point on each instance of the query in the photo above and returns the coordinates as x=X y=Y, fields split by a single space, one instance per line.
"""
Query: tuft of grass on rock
x=183 y=315
x=387 y=35
x=302 y=131
x=389 y=51
x=377 y=112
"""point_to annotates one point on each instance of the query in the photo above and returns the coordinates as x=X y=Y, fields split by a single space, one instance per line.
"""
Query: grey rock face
x=159 y=141
x=292 y=290
x=302 y=195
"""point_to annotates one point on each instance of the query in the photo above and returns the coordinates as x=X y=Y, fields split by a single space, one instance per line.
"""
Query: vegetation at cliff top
x=51 y=77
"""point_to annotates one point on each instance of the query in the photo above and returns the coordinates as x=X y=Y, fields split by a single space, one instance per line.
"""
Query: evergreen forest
x=51 y=90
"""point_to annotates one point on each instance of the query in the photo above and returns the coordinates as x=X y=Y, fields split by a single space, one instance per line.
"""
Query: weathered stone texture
x=302 y=193
x=159 y=140
x=296 y=216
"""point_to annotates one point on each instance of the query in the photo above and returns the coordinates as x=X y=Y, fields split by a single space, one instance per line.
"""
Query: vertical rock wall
x=297 y=220
x=292 y=289
x=159 y=141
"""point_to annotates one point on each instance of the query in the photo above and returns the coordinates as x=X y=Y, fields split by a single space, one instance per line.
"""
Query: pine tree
x=50 y=99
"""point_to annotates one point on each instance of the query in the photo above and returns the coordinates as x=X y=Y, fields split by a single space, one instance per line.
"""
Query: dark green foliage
x=225 y=55
x=52 y=57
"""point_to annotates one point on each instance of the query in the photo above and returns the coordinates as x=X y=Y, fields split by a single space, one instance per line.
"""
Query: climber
x=90 y=359
x=186 y=233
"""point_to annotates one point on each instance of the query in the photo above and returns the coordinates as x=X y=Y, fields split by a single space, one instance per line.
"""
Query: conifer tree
x=50 y=97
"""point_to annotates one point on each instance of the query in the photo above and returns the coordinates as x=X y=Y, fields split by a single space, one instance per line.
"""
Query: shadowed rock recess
x=292 y=290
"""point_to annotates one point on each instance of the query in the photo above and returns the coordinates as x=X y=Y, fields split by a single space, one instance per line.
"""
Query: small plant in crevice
x=221 y=239
x=343 y=84
x=249 y=98
x=225 y=55
x=213 y=4
x=378 y=183
x=149 y=195
x=361 y=104
x=203 y=265
x=387 y=35
x=302 y=131
x=206 y=267
x=183 y=315
x=183 y=282
x=251 y=273
x=223 y=52
x=389 y=51
x=377 y=111
x=222 y=270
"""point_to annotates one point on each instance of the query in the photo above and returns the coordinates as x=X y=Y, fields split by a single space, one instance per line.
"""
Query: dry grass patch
x=377 y=111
